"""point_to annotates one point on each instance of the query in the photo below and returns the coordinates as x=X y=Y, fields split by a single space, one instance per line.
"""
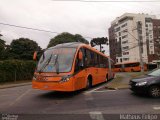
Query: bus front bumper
x=56 y=86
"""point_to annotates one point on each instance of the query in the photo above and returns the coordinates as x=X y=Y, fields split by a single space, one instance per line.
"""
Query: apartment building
x=124 y=36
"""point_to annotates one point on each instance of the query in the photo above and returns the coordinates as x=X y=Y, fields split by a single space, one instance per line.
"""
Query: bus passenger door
x=80 y=74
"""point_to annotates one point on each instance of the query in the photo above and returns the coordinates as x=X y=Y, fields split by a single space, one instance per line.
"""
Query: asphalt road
x=95 y=103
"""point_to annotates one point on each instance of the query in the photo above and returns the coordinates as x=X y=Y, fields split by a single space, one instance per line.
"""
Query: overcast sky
x=90 y=19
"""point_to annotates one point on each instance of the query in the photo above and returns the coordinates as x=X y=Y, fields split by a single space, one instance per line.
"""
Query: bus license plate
x=46 y=86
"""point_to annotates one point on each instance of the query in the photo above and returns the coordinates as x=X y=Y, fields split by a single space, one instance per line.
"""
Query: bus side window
x=92 y=58
x=103 y=62
x=87 y=58
x=79 y=63
x=107 y=62
x=95 y=60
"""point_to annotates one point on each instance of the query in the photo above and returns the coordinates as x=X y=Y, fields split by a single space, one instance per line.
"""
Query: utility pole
x=139 y=31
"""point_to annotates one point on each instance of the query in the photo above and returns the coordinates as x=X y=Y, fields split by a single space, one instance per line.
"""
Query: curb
x=14 y=85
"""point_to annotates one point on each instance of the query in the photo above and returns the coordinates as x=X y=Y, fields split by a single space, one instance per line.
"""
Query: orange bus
x=71 y=67
x=129 y=67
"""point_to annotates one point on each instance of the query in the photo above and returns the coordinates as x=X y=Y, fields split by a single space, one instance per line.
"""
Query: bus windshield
x=56 y=60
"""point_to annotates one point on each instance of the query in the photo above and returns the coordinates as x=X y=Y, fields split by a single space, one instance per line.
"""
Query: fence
x=16 y=70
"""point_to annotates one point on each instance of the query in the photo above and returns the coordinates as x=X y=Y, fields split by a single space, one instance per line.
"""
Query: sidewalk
x=15 y=84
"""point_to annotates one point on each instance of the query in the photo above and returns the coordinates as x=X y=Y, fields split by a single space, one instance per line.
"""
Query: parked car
x=149 y=84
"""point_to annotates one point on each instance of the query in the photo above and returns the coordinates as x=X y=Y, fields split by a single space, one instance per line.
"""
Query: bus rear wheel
x=107 y=78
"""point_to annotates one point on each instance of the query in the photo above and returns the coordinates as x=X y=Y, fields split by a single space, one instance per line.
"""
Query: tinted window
x=155 y=73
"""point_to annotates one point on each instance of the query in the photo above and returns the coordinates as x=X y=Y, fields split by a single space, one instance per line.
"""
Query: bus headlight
x=34 y=77
x=65 y=79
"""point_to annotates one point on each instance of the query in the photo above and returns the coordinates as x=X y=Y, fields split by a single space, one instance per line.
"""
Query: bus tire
x=107 y=78
x=132 y=70
x=89 y=82
x=120 y=70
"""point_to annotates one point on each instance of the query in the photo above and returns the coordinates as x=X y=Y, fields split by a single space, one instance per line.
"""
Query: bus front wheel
x=89 y=82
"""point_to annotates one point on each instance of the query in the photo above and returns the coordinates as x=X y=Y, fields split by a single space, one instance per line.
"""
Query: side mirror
x=35 y=56
x=80 y=55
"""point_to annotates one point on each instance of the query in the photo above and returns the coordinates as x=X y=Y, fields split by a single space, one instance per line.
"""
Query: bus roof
x=70 y=44
x=77 y=45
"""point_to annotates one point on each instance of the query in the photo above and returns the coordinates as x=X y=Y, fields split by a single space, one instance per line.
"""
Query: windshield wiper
x=44 y=66
x=57 y=65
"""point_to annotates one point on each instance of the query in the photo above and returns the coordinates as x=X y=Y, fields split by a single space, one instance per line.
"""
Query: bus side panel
x=98 y=75
x=117 y=69
x=80 y=80
x=102 y=72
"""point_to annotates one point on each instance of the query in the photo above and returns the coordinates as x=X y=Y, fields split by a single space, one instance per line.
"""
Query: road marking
x=90 y=91
x=104 y=91
x=156 y=108
x=96 y=115
x=20 y=97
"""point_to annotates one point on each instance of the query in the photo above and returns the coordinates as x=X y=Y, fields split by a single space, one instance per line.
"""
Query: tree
x=23 y=48
x=99 y=41
x=2 y=47
x=65 y=38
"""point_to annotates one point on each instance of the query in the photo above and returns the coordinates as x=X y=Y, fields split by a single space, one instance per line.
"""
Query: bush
x=16 y=70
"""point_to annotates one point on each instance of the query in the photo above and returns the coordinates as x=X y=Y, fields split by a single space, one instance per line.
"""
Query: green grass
x=136 y=74
x=120 y=82
x=17 y=82
x=117 y=83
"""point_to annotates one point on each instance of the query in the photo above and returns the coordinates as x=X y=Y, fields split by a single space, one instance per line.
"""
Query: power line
x=36 y=29
x=28 y=28
x=106 y=0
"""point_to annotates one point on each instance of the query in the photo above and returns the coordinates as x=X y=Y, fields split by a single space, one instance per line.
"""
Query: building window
x=150 y=36
x=119 y=33
x=126 y=47
x=124 y=31
x=121 y=59
x=126 y=59
x=125 y=36
x=124 y=25
x=117 y=29
x=125 y=53
x=151 y=41
x=124 y=42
